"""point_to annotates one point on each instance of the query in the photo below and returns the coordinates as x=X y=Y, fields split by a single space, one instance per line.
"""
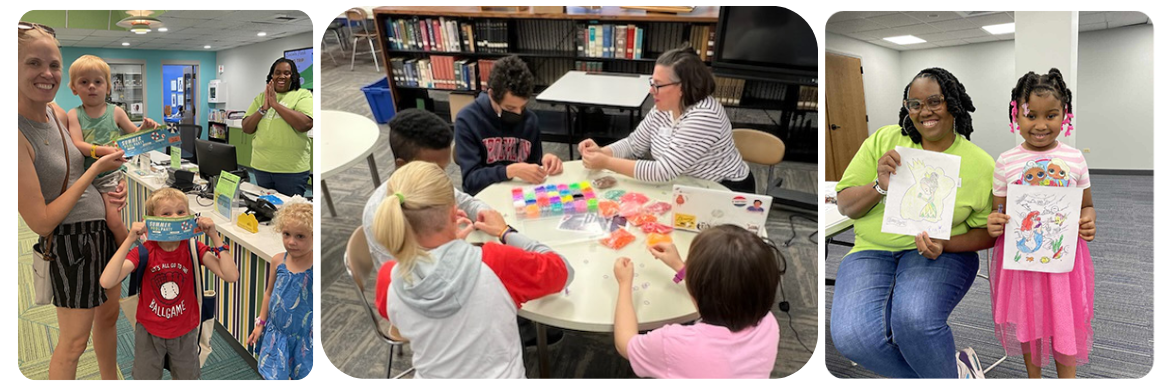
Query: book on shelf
x=582 y=33
x=638 y=43
x=437 y=41
x=631 y=36
x=619 y=42
x=485 y=69
x=710 y=43
x=607 y=41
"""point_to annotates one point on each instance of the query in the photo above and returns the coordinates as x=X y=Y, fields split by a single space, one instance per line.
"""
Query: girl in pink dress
x=1038 y=313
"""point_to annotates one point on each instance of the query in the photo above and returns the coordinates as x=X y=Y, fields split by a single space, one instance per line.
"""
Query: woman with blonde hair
x=455 y=301
x=58 y=201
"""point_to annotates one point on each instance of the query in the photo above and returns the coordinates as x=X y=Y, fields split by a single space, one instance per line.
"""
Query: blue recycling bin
x=381 y=100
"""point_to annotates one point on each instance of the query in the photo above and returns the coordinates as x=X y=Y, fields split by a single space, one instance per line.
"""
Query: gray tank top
x=50 y=164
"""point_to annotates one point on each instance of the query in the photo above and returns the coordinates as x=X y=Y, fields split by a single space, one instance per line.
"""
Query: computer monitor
x=215 y=157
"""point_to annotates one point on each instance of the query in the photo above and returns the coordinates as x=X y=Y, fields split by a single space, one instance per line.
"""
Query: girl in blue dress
x=285 y=324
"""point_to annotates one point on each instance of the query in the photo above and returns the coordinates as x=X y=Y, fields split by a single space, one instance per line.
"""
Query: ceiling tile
x=895 y=20
x=918 y=46
x=953 y=42
x=987 y=20
x=106 y=33
x=852 y=26
x=939 y=16
x=988 y=38
x=954 y=25
x=952 y=35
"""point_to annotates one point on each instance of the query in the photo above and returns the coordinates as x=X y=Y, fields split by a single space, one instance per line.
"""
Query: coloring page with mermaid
x=1041 y=235
x=921 y=195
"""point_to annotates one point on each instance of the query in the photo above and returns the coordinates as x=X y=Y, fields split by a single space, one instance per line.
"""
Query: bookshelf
x=416 y=42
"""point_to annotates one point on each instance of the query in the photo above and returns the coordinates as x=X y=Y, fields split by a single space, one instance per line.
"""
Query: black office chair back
x=188 y=134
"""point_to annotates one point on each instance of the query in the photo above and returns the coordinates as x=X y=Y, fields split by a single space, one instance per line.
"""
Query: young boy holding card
x=168 y=307
x=95 y=124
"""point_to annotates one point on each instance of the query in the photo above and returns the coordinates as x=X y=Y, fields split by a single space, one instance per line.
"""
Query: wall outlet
x=1086 y=150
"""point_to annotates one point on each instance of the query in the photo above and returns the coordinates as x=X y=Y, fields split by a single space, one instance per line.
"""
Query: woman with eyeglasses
x=687 y=132
x=894 y=292
x=70 y=222
x=280 y=118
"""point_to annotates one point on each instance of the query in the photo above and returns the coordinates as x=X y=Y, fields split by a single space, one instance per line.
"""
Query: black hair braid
x=958 y=102
x=1030 y=83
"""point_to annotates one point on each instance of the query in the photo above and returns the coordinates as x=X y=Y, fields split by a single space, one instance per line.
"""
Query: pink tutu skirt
x=1038 y=313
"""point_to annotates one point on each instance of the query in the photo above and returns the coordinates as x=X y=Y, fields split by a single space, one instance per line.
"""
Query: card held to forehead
x=170 y=228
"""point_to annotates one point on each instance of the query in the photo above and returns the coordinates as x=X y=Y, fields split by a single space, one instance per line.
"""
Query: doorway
x=180 y=93
x=846 y=128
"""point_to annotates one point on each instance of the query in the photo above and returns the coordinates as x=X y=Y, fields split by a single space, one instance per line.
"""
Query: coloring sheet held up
x=1041 y=235
x=921 y=194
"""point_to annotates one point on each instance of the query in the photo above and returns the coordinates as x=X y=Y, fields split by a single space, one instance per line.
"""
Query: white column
x=1046 y=40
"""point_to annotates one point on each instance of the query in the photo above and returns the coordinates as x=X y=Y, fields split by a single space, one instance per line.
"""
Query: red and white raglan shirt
x=167 y=304
x=458 y=305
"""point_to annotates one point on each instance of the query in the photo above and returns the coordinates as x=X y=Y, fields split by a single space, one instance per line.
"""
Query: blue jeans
x=288 y=184
x=890 y=311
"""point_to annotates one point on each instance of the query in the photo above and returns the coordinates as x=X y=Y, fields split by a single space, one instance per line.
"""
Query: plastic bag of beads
x=655 y=227
x=618 y=239
x=657 y=208
x=614 y=195
x=655 y=239
x=604 y=182
x=640 y=219
x=634 y=197
x=608 y=208
x=629 y=209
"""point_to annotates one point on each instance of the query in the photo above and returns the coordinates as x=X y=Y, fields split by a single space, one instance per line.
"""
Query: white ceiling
x=191 y=30
x=946 y=28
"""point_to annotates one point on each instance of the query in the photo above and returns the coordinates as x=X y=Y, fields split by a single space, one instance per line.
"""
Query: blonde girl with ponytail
x=457 y=302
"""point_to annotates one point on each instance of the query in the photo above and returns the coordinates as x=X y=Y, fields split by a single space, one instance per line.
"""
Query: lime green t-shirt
x=277 y=147
x=972 y=200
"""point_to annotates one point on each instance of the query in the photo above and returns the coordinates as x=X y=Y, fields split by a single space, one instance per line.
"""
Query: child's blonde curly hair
x=296 y=213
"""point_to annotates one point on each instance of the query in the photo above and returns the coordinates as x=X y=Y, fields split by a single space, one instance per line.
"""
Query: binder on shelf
x=638 y=44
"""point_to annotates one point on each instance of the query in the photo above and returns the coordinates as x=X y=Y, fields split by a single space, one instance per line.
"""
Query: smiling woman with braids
x=280 y=118
x=894 y=292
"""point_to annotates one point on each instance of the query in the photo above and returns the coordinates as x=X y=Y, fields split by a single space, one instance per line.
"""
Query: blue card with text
x=170 y=229
x=147 y=140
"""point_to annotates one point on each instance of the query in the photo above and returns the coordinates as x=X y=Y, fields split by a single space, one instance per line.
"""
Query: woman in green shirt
x=280 y=118
x=894 y=292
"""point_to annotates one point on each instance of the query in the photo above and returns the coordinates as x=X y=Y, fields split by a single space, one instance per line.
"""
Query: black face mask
x=510 y=118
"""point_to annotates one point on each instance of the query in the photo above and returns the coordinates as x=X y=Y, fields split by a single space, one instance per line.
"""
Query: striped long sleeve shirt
x=699 y=145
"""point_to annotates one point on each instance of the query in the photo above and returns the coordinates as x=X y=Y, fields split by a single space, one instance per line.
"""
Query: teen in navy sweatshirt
x=496 y=138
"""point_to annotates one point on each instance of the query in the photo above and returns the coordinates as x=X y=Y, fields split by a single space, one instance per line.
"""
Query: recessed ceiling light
x=905 y=40
x=997 y=29
x=206 y=46
x=125 y=43
x=260 y=34
x=162 y=29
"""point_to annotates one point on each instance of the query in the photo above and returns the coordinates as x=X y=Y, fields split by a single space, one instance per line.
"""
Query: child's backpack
x=206 y=304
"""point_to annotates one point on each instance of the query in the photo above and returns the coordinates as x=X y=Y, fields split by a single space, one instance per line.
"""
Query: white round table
x=590 y=300
x=351 y=137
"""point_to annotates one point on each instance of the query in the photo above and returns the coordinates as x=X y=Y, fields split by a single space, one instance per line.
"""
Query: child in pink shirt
x=732 y=277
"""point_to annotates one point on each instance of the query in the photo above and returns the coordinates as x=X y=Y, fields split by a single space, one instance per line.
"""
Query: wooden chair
x=357 y=22
x=359 y=264
x=758 y=147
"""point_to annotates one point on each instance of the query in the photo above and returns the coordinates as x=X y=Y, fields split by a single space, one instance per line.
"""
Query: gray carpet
x=1124 y=309
x=347 y=334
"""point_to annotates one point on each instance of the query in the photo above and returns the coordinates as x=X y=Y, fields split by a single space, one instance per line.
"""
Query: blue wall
x=154 y=76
